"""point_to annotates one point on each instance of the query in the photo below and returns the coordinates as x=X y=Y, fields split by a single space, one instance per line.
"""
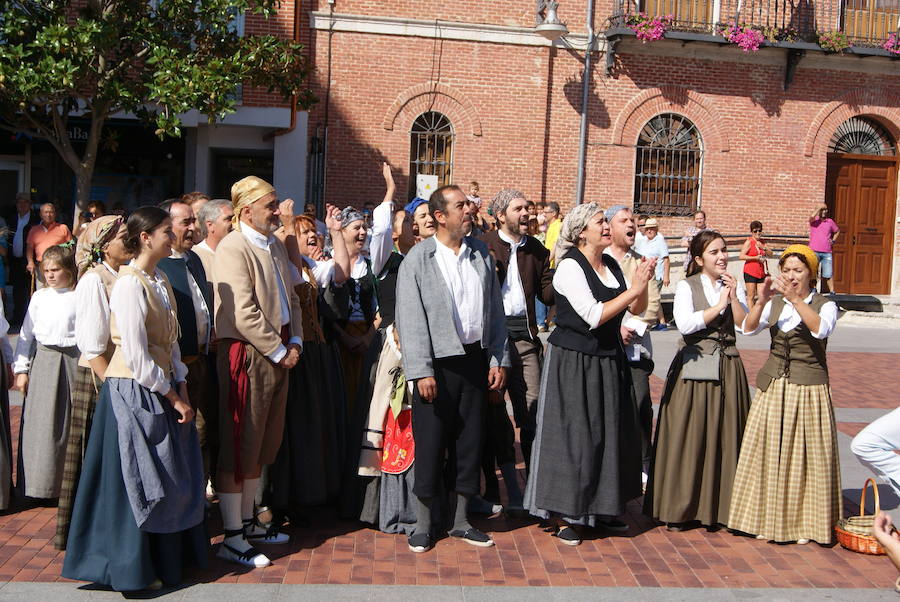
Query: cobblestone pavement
x=332 y=551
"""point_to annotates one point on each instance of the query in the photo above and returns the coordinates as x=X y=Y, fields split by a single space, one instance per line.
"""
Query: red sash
x=399 y=447
x=238 y=395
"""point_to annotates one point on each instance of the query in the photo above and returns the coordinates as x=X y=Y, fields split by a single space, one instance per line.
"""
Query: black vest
x=386 y=289
x=572 y=332
x=176 y=270
x=341 y=297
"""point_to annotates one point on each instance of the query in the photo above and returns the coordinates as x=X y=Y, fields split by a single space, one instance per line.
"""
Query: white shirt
x=129 y=305
x=790 y=318
x=262 y=241
x=570 y=282
x=512 y=291
x=690 y=321
x=203 y=245
x=50 y=320
x=19 y=238
x=382 y=242
x=92 y=315
x=465 y=290
x=201 y=311
x=4 y=336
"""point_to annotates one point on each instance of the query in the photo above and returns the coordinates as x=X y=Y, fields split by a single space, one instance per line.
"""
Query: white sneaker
x=256 y=533
x=250 y=557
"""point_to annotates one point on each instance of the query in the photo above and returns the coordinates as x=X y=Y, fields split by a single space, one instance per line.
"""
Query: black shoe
x=612 y=524
x=419 y=542
x=569 y=536
x=472 y=536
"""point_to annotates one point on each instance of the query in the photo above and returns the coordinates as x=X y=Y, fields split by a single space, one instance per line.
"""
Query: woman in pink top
x=822 y=234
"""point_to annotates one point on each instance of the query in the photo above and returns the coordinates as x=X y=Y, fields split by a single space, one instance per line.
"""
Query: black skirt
x=586 y=459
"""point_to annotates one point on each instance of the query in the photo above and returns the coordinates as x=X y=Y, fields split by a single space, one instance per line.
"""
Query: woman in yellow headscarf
x=788 y=482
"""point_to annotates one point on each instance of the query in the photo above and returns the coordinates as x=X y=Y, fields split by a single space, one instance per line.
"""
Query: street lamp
x=550 y=26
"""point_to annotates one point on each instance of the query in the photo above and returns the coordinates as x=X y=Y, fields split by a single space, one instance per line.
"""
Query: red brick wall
x=756 y=136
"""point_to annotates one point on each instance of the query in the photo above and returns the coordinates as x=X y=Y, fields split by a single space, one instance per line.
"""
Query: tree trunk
x=84 y=176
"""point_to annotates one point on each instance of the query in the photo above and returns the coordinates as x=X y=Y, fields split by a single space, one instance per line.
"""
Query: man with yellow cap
x=258 y=323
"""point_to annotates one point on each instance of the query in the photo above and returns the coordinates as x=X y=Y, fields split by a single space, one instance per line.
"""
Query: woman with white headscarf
x=586 y=459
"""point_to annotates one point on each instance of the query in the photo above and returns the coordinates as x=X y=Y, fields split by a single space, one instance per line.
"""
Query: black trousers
x=640 y=378
x=20 y=280
x=448 y=431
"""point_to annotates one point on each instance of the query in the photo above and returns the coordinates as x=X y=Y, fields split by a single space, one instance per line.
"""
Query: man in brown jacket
x=524 y=275
x=258 y=324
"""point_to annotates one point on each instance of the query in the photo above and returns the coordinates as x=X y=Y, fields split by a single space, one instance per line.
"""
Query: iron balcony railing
x=865 y=22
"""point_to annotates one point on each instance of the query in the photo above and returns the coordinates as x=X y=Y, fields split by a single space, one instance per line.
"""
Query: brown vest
x=796 y=355
x=162 y=328
x=109 y=281
x=308 y=292
x=719 y=333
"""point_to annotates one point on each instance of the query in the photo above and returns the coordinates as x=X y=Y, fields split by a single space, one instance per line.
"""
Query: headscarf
x=95 y=236
x=612 y=211
x=350 y=215
x=244 y=193
x=808 y=254
x=574 y=224
x=413 y=205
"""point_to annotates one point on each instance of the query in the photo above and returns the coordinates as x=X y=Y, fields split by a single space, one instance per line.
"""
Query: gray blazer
x=425 y=315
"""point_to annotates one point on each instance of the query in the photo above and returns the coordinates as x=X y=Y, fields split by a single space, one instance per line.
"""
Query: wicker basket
x=855 y=532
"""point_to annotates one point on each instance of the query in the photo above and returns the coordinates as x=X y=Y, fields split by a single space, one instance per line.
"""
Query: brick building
x=468 y=90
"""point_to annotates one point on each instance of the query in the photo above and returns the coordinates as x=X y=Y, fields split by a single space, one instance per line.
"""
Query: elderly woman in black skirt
x=586 y=459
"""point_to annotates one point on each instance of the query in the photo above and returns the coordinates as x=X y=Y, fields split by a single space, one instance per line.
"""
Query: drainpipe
x=290 y=128
x=585 y=93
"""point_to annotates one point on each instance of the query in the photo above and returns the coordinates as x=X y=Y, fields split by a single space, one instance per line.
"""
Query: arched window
x=431 y=149
x=668 y=167
x=862 y=136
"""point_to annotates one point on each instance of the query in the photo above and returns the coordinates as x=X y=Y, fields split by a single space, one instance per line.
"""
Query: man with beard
x=523 y=271
x=258 y=322
x=453 y=338
x=635 y=332
x=188 y=278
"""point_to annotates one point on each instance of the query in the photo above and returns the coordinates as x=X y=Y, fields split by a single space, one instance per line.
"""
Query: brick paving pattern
x=332 y=551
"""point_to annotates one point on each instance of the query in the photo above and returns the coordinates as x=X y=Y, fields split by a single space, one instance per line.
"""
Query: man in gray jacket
x=453 y=335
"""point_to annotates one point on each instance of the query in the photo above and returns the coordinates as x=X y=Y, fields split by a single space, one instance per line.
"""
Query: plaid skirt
x=788 y=481
x=84 y=401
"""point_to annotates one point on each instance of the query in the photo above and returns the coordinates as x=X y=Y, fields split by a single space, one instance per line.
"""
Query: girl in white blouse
x=47 y=348
x=788 y=482
x=139 y=507
x=706 y=400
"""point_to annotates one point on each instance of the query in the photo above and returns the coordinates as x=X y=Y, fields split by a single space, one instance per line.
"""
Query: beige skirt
x=788 y=481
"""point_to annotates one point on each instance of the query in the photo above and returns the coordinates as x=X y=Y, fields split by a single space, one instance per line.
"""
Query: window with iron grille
x=431 y=149
x=862 y=136
x=668 y=167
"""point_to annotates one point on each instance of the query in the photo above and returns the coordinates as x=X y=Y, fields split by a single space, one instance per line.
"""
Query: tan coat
x=246 y=290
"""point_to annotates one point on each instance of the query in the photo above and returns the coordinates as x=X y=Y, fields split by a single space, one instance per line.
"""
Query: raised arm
x=383 y=224
x=338 y=247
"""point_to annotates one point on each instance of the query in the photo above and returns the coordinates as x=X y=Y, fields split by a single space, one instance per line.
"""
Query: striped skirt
x=788 y=481
x=84 y=401
x=44 y=430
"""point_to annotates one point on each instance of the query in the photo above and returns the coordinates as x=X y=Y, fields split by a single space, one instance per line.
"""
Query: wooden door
x=862 y=193
x=871 y=19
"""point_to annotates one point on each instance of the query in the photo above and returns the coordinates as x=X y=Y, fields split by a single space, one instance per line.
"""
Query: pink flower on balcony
x=647 y=28
x=747 y=38
x=892 y=44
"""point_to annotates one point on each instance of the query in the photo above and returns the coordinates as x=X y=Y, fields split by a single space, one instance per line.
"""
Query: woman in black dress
x=586 y=459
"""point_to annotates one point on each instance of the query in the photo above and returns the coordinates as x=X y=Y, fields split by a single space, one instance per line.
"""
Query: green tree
x=155 y=59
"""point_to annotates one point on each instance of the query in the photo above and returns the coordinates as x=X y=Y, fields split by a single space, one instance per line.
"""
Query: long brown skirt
x=84 y=401
x=788 y=482
x=698 y=441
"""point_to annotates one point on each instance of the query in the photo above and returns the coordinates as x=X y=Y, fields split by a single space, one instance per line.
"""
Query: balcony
x=786 y=23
